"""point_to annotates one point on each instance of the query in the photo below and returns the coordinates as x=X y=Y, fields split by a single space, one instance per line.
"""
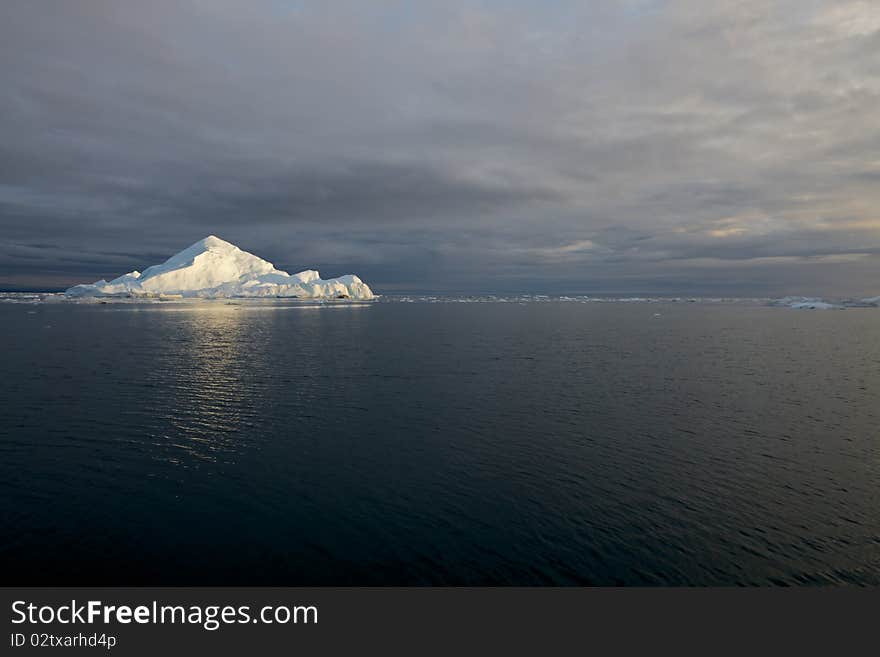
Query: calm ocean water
x=420 y=443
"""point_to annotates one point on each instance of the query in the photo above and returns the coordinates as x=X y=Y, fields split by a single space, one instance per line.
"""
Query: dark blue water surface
x=444 y=443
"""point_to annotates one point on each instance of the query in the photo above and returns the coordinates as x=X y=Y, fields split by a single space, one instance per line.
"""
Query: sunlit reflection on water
x=215 y=365
x=207 y=411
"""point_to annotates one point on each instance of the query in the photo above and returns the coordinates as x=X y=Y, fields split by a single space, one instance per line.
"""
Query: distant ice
x=266 y=287
x=804 y=303
x=817 y=303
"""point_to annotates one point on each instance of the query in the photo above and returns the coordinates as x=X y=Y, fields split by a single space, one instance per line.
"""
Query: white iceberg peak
x=213 y=267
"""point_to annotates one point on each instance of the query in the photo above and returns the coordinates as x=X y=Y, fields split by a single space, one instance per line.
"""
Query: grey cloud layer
x=643 y=145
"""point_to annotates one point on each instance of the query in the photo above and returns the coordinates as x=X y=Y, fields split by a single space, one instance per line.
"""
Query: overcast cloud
x=482 y=146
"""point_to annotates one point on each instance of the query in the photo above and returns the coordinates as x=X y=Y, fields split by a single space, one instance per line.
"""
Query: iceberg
x=215 y=268
x=804 y=303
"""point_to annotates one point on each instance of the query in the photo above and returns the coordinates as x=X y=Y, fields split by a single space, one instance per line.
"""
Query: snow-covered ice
x=214 y=268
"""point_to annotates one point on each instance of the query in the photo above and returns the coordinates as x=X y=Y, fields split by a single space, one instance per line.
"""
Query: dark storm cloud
x=644 y=144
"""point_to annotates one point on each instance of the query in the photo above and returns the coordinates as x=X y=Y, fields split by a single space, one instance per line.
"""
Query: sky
x=645 y=146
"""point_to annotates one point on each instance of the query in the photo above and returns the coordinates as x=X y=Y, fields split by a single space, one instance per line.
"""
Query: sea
x=438 y=441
